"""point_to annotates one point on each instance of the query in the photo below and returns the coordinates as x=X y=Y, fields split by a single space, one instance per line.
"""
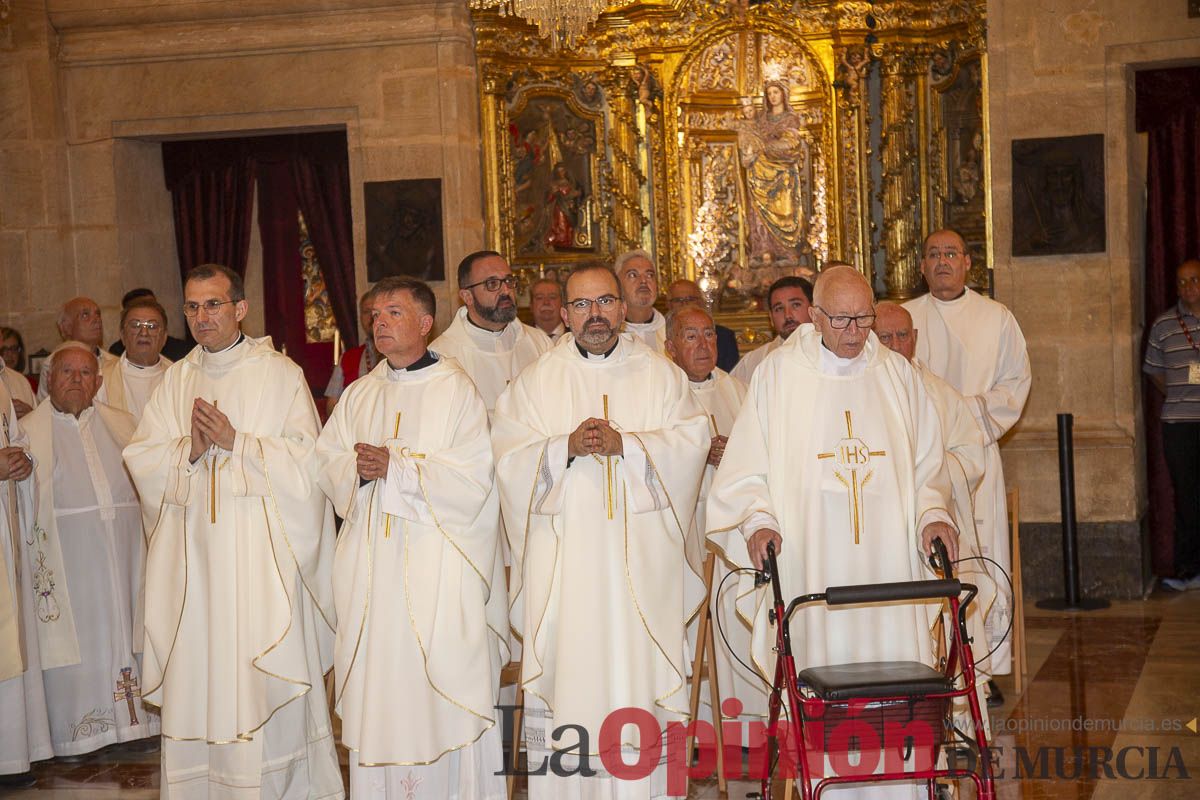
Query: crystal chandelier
x=563 y=21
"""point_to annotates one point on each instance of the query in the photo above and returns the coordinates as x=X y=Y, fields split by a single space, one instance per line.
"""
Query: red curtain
x=212 y=183
x=1168 y=108
x=212 y=193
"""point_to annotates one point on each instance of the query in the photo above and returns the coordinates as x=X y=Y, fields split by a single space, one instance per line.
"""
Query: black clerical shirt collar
x=426 y=360
x=605 y=354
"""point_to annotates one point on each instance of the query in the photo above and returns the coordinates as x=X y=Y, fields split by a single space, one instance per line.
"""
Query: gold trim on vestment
x=183 y=604
x=362 y=624
x=286 y=539
x=658 y=701
x=421 y=645
x=437 y=524
x=423 y=763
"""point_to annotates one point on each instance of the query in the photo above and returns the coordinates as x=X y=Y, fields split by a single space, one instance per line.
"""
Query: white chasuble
x=24 y=727
x=748 y=363
x=721 y=396
x=128 y=386
x=418 y=586
x=844 y=458
x=848 y=468
x=239 y=615
x=599 y=589
x=653 y=332
x=965 y=458
x=88 y=548
x=491 y=359
x=975 y=345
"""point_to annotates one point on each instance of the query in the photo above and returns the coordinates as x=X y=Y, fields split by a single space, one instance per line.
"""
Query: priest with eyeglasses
x=600 y=447
x=486 y=337
x=239 y=612
x=836 y=458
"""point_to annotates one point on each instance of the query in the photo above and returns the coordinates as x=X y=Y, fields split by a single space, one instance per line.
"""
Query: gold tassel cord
x=387 y=518
x=607 y=465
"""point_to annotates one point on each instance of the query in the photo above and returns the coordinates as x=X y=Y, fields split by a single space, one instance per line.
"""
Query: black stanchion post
x=1071 y=599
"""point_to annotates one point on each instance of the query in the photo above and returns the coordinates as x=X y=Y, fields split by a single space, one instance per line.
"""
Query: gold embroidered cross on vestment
x=852 y=468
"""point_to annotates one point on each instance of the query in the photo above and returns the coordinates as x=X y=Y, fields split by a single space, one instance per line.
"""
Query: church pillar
x=900 y=157
x=497 y=206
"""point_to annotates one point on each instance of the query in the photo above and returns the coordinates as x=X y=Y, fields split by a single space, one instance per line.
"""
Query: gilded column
x=901 y=178
x=626 y=179
x=497 y=202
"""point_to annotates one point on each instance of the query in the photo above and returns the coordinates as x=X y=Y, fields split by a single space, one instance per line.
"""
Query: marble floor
x=1104 y=715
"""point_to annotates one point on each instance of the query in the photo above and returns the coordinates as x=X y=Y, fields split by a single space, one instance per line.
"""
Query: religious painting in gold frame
x=752 y=146
x=549 y=159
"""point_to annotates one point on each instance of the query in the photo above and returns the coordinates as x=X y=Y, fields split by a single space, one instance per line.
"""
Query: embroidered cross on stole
x=852 y=468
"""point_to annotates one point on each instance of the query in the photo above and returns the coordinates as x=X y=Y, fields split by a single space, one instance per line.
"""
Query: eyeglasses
x=210 y=307
x=683 y=301
x=10 y=348
x=148 y=326
x=842 y=321
x=949 y=255
x=1192 y=281
x=583 y=305
x=493 y=284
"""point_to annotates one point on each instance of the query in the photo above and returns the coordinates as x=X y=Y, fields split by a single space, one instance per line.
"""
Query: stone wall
x=1064 y=68
x=88 y=88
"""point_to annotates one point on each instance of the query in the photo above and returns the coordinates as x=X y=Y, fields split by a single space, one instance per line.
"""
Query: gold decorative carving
x=681 y=95
x=901 y=175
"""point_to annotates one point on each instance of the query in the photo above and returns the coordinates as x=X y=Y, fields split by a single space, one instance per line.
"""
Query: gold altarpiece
x=740 y=143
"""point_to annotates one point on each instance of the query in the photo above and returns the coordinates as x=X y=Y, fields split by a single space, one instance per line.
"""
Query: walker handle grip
x=888 y=592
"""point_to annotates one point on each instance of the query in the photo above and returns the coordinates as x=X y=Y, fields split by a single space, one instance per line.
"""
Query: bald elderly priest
x=407 y=461
x=87 y=550
x=599 y=449
x=836 y=459
x=239 y=614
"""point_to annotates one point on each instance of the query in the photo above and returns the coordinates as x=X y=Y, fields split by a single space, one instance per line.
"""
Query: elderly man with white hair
x=837 y=459
x=79 y=320
x=87 y=555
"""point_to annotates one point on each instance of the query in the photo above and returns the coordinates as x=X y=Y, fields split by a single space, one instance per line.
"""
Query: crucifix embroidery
x=127 y=690
x=852 y=467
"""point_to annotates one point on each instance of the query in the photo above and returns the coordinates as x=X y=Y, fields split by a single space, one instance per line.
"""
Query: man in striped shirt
x=1173 y=364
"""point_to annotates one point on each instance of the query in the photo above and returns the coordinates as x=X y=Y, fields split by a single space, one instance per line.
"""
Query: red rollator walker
x=900 y=710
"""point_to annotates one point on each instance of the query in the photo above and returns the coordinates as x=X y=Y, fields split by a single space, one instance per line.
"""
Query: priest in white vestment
x=486 y=338
x=836 y=458
x=599 y=447
x=239 y=612
x=692 y=343
x=965 y=459
x=639 y=288
x=492 y=346
x=18 y=389
x=788 y=302
x=79 y=320
x=407 y=461
x=24 y=727
x=975 y=345
x=87 y=550
x=130 y=380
